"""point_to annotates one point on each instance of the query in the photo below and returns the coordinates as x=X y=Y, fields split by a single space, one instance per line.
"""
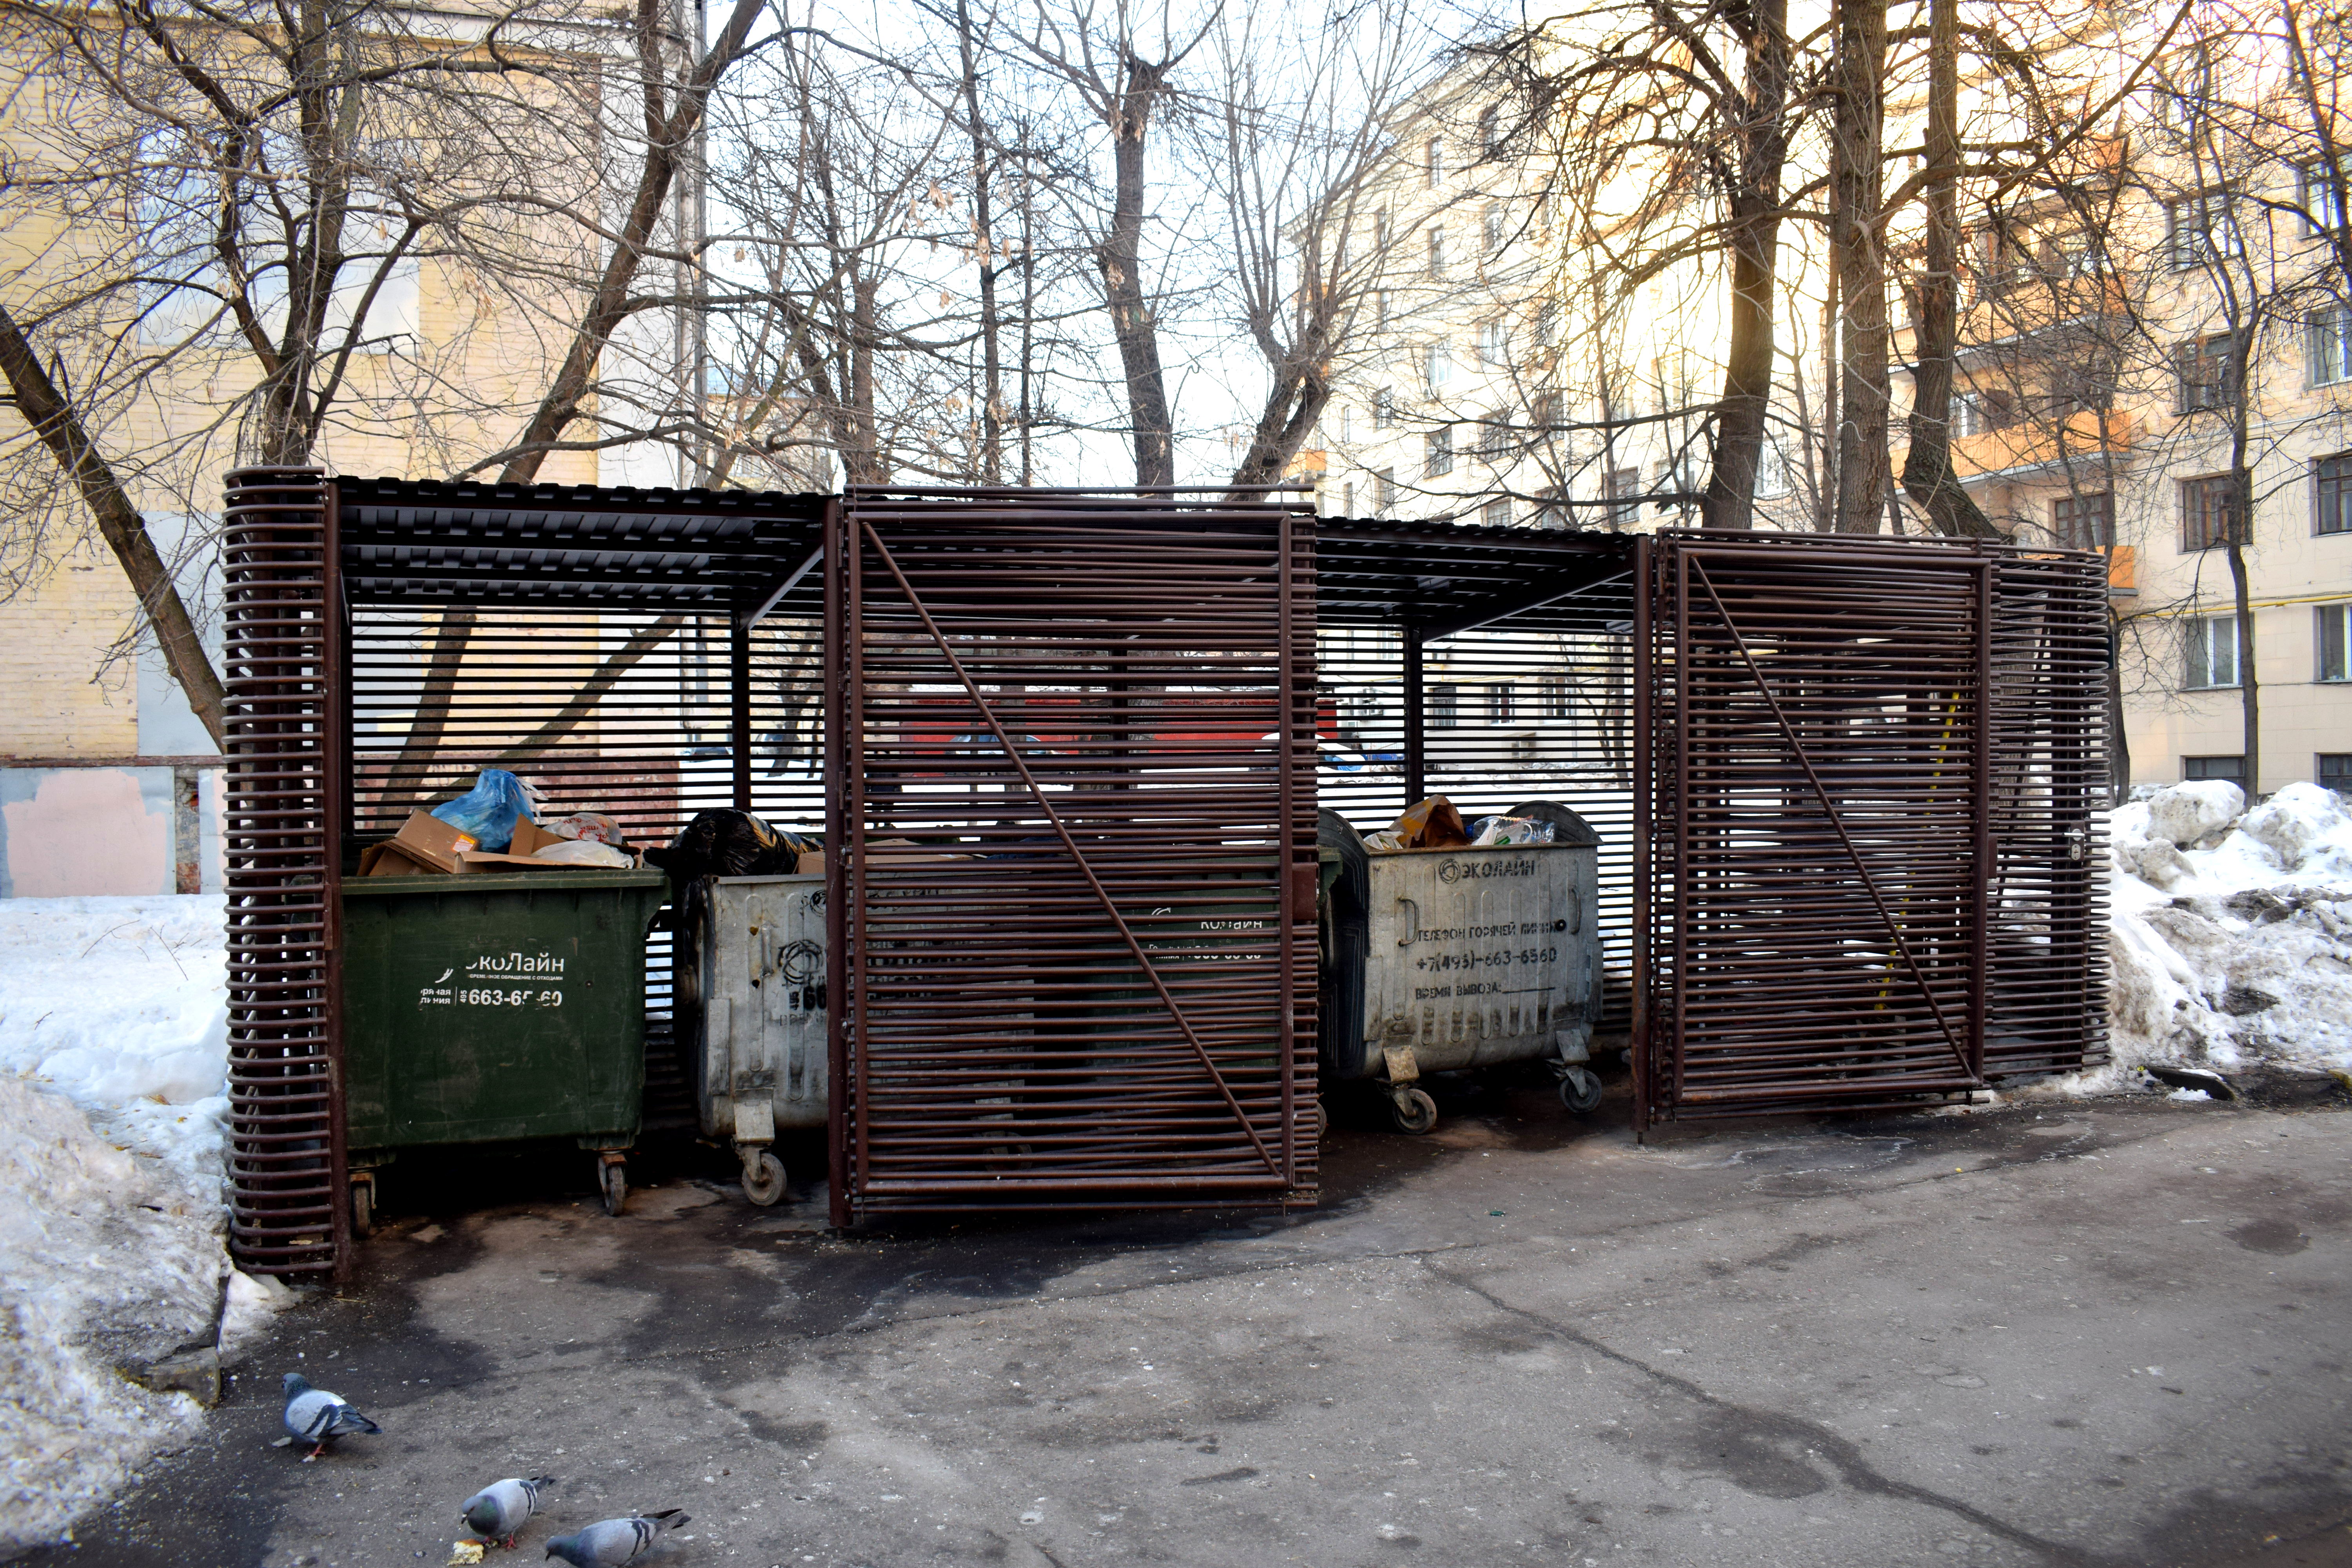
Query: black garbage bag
x=732 y=844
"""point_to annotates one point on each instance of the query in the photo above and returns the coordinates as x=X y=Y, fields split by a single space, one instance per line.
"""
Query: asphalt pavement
x=2105 y=1333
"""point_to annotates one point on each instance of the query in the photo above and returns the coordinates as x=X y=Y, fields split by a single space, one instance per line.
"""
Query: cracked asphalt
x=2106 y=1333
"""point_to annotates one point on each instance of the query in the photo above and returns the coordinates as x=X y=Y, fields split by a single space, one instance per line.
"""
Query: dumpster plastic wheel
x=767 y=1185
x=1580 y=1091
x=613 y=1180
x=364 y=1207
x=1413 y=1111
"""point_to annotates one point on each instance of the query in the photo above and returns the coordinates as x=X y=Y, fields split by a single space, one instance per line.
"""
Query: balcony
x=2034 y=443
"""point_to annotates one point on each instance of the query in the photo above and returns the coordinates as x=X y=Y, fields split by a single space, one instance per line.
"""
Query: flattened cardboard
x=423 y=845
x=528 y=840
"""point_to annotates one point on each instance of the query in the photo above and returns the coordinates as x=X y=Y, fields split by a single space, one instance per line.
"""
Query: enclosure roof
x=486 y=542
x=1445 y=577
x=481 y=542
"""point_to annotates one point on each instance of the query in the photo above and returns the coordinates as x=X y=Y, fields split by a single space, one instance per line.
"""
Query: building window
x=1436 y=367
x=1437 y=253
x=1383 y=303
x=1438 y=452
x=1494 y=439
x=1384 y=409
x=2327 y=346
x=1490 y=342
x=2230 y=768
x=1623 y=488
x=1498 y=704
x=2212 y=652
x=2208 y=513
x=1496 y=514
x=2335 y=772
x=1384 y=493
x=2321 y=198
x=2083 y=521
x=1380 y=234
x=2331 y=496
x=1347 y=499
x=1444 y=707
x=1433 y=162
x=1552 y=696
x=2198 y=229
x=2203 y=368
x=1547 y=323
x=1346 y=424
x=1490 y=131
x=1490 y=227
x=2330 y=641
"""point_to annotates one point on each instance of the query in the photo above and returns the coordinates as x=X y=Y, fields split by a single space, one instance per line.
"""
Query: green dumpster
x=495 y=1006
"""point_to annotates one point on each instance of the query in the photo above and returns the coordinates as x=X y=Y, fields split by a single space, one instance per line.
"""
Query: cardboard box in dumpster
x=530 y=838
x=425 y=846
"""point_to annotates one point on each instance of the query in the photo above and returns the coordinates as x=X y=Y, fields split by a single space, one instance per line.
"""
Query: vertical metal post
x=1678 y=785
x=1644 y=664
x=1980 y=915
x=334 y=785
x=830 y=664
x=739 y=699
x=1286 y=867
x=851 y=835
x=1416 y=770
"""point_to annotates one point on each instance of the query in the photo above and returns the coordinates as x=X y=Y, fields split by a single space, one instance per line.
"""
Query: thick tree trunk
x=119 y=522
x=1730 y=501
x=1856 y=193
x=1119 y=257
x=2249 y=702
x=1928 y=474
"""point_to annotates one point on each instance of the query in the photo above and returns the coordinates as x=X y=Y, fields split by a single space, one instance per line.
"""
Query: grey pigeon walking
x=501 y=1508
x=318 y=1417
x=610 y=1543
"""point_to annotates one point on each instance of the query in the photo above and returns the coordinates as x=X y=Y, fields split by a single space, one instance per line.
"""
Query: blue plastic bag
x=487 y=812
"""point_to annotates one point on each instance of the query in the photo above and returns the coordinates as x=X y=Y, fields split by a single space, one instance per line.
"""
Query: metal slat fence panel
x=2048 y=943
x=280 y=652
x=1076 y=864
x=1874 y=769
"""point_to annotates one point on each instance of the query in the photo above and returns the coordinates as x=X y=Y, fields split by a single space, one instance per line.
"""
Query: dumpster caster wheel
x=763 y=1180
x=363 y=1207
x=1580 y=1091
x=1412 y=1110
x=613 y=1180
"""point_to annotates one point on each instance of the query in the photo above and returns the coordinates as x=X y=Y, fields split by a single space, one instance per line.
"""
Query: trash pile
x=1435 y=824
x=494 y=827
x=738 y=844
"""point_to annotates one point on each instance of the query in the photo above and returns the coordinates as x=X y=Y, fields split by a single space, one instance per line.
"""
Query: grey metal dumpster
x=1478 y=957
x=754 y=983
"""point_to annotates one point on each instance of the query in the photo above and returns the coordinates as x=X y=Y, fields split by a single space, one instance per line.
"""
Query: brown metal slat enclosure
x=1847 y=793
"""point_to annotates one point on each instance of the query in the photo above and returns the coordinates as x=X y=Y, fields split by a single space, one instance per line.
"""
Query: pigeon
x=610 y=1543
x=502 y=1508
x=319 y=1417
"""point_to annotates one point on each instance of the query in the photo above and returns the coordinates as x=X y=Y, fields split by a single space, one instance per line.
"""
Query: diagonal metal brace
x=1788 y=731
x=988 y=716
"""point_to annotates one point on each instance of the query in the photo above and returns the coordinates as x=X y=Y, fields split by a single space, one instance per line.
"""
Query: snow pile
x=102 y=1262
x=114 y=1063
x=122 y=1005
x=2231 y=930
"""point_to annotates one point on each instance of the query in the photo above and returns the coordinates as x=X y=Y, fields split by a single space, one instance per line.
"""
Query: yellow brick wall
x=52 y=641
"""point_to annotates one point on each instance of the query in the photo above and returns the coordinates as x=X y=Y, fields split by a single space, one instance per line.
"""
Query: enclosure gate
x=1073 y=871
x=1867 y=846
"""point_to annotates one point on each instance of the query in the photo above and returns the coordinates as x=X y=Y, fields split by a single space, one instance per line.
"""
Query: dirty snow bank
x=2231 y=931
x=114 y=1061
x=102 y=1262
